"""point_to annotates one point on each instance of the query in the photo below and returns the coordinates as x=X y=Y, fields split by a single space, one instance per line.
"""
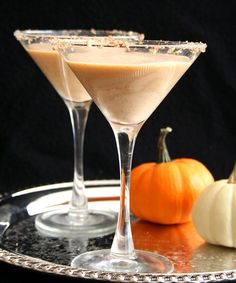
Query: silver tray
x=22 y=245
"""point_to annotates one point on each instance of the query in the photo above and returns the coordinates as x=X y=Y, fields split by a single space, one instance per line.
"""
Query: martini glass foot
x=59 y=223
x=142 y=262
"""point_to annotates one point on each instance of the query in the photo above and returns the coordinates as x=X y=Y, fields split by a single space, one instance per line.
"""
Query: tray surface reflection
x=22 y=245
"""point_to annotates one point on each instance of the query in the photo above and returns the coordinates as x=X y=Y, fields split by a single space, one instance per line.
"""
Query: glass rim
x=115 y=38
x=152 y=45
x=29 y=34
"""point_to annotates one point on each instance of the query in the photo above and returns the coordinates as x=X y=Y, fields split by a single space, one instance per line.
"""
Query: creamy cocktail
x=42 y=46
x=127 y=87
x=127 y=82
x=60 y=76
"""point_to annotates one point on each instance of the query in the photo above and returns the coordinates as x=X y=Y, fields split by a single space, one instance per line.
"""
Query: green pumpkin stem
x=163 y=154
x=232 y=177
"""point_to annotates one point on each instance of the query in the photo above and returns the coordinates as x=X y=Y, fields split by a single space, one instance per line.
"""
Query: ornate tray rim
x=40 y=265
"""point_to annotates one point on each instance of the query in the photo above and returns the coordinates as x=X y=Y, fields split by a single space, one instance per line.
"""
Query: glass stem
x=78 y=114
x=122 y=245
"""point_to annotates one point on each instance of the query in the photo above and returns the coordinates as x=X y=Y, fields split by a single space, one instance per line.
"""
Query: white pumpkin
x=214 y=212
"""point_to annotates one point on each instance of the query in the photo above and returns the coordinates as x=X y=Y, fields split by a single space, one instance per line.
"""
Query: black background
x=35 y=135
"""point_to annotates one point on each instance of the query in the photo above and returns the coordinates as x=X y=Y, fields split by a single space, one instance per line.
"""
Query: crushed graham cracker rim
x=183 y=48
x=92 y=41
x=30 y=35
x=62 y=39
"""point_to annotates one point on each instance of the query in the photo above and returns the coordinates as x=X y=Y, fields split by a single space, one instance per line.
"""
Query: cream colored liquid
x=58 y=73
x=127 y=87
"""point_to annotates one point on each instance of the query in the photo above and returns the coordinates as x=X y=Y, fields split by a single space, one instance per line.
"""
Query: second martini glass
x=127 y=82
x=76 y=220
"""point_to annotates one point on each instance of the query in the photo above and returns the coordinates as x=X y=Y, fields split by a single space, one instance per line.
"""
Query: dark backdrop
x=36 y=138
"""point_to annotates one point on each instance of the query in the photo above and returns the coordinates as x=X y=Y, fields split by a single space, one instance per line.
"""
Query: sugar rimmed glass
x=127 y=81
x=76 y=220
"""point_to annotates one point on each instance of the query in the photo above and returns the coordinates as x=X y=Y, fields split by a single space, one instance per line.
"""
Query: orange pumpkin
x=165 y=192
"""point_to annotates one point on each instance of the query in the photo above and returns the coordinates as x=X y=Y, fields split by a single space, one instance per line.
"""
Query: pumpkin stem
x=163 y=154
x=232 y=177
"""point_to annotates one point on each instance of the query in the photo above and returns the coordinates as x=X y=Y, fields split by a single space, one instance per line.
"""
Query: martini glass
x=127 y=82
x=75 y=220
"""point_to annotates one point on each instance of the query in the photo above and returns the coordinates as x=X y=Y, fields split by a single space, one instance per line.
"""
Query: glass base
x=58 y=223
x=101 y=260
